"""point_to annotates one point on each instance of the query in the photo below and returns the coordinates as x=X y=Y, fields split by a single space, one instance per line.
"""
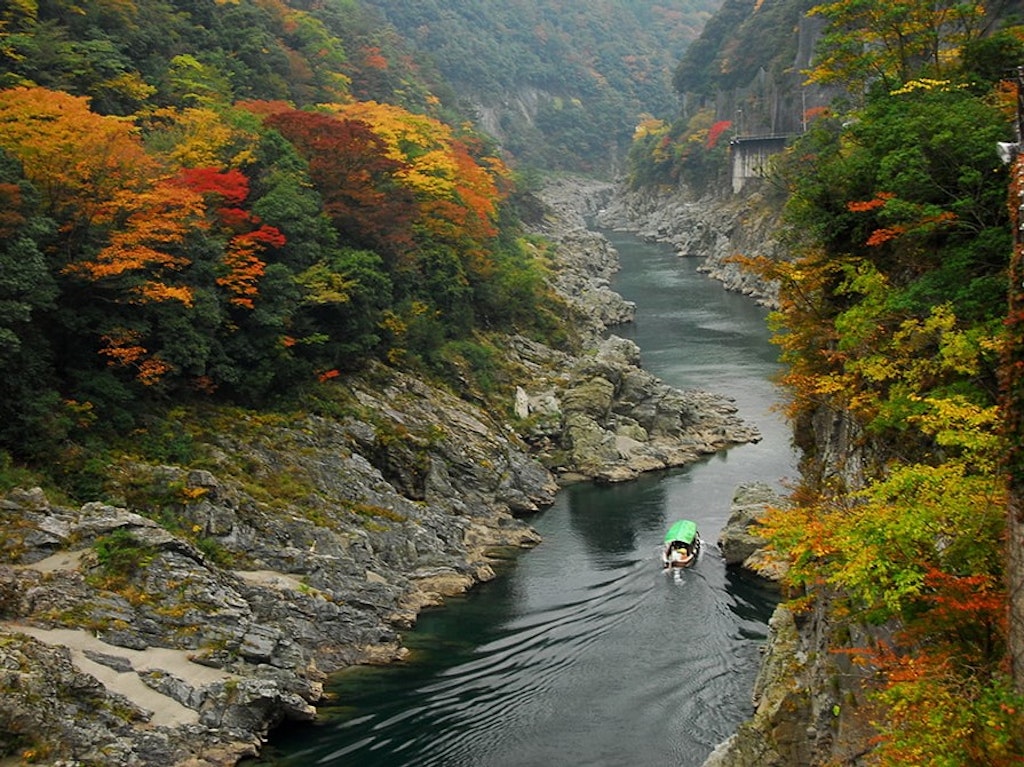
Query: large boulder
x=741 y=541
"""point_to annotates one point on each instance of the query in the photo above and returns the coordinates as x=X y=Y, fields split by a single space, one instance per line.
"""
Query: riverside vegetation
x=901 y=640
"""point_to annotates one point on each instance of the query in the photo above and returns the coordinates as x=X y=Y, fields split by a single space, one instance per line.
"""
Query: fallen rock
x=741 y=541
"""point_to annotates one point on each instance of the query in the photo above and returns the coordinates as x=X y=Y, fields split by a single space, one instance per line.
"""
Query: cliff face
x=809 y=705
x=198 y=606
x=809 y=700
x=714 y=228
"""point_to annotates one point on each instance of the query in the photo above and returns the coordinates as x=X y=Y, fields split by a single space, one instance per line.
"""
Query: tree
x=192 y=83
x=25 y=283
x=457 y=196
x=145 y=251
x=891 y=321
x=914 y=186
x=892 y=41
x=286 y=199
x=341 y=309
x=196 y=137
x=356 y=179
x=28 y=293
x=80 y=162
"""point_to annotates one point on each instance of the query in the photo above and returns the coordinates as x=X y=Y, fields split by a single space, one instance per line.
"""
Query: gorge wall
x=713 y=228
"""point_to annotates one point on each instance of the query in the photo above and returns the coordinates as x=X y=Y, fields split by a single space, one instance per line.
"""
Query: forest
x=582 y=72
x=893 y=321
x=232 y=225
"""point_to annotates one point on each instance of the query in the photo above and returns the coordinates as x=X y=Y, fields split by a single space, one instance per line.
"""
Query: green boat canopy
x=682 y=530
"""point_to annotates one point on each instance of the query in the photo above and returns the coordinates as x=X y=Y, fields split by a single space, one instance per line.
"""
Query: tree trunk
x=1015 y=573
x=1013 y=407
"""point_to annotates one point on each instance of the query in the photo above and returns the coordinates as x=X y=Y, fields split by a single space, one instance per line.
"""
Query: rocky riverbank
x=799 y=717
x=714 y=228
x=196 y=606
x=809 y=704
x=810 y=698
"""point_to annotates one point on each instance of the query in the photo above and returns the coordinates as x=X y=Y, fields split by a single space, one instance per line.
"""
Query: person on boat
x=684 y=554
x=681 y=543
x=678 y=554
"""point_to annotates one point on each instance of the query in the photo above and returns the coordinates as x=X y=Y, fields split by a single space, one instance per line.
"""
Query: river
x=584 y=651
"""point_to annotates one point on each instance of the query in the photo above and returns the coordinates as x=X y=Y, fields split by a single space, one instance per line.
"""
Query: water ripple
x=587 y=652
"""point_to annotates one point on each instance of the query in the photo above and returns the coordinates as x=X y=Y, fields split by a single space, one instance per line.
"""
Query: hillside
x=182 y=223
x=750 y=59
x=281 y=267
x=560 y=84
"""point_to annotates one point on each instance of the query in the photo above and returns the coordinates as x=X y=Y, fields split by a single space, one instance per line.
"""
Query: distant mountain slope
x=748 y=62
x=560 y=83
x=743 y=38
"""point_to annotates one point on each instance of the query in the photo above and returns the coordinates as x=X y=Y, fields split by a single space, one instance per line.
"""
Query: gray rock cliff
x=715 y=228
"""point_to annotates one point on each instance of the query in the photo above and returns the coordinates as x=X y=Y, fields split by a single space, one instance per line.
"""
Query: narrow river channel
x=584 y=652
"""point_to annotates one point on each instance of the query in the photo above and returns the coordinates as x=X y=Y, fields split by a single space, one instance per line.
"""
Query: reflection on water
x=585 y=651
x=600 y=523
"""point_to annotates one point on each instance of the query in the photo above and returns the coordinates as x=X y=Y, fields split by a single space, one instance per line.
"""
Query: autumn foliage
x=238 y=250
x=84 y=165
x=355 y=177
x=890 y=319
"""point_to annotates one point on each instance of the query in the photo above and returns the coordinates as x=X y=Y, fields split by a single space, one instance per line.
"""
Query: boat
x=682 y=543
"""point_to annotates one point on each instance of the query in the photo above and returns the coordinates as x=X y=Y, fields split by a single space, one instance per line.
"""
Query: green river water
x=584 y=652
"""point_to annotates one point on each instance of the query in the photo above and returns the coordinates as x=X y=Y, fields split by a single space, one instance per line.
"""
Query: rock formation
x=714 y=228
x=741 y=542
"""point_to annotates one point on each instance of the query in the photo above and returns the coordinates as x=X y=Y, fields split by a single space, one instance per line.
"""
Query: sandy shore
x=121 y=669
